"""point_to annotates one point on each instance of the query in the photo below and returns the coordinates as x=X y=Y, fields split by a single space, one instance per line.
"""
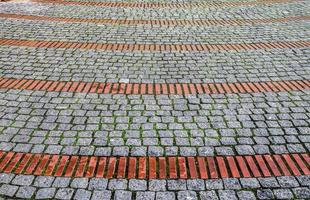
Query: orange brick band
x=165 y=5
x=154 y=89
x=155 y=47
x=156 y=167
x=158 y=22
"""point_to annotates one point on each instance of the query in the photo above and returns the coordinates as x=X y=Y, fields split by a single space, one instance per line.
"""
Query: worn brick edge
x=199 y=22
x=209 y=167
x=165 y=5
x=155 y=47
x=153 y=89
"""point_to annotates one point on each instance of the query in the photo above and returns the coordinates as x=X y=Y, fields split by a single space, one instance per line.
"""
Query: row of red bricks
x=155 y=167
x=154 y=89
x=155 y=47
x=165 y=5
x=199 y=22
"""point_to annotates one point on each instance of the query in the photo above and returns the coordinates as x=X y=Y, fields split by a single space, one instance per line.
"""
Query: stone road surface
x=145 y=99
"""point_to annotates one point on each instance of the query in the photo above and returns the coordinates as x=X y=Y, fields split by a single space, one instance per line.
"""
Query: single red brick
x=111 y=167
x=162 y=167
x=179 y=89
x=101 y=167
x=132 y=167
x=222 y=167
x=142 y=168
x=202 y=168
x=121 y=167
x=136 y=88
x=212 y=167
x=182 y=167
x=129 y=89
x=172 y=167
x=164 y=88
x=152 y=168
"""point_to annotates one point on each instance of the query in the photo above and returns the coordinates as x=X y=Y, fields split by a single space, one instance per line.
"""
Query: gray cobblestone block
x=102 y=194
x=23 y=180
x=64 y=193
x=79 y=183
x=304 y=180
x=97 y=184
x=176 y=184
x=283 y=194
x=208 y=195
x=25 y=192
x=265 y=194
x=43 y=181
x=45 y=193
x=302 y=192
x=82 y=194
x=122 y=195
x=231 y=184
x=118 y=184
x=227 y=194
x=249 y=183
x=246 y=195
x=214 y=184
x=165 y=195
x=137 y=185
x=269 y=182
x=155 y=151
x=157 y=185
x=288 y=181
x=6 y=178
x=145 y=195
x=196 y=184
x=186 y=195
x=138 y=151
x=8 y=190
x=61 y=182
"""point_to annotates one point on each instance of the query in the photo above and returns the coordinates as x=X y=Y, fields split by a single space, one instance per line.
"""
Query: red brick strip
x=165 y=5
x=154 y=47
x=155 y=167
x=199 y=22
x=155 y=89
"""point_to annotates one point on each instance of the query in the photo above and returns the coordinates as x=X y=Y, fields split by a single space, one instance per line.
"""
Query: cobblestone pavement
x=188 y=99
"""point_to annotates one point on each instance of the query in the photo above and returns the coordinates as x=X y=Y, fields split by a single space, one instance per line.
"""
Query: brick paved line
x=155 y=47
x=156 y=167
x=158 y=22
x=165 y=5
x=148 y=88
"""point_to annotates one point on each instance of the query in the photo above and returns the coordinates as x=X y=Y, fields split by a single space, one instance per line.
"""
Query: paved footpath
x=145 y=99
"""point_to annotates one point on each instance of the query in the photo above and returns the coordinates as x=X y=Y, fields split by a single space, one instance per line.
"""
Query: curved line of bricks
x=154 y=89
x=158 y=22
x=155 y=47
x=165 y=5
x=156 y=167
